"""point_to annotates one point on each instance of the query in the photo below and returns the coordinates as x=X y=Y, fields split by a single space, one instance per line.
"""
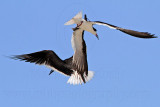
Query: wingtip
x=152 y=36
x=155 y=36
x=11 y=57
x=15 y=57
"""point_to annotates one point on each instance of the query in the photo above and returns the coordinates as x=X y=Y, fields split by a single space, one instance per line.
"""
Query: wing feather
x=127 y=31
x=48 y=58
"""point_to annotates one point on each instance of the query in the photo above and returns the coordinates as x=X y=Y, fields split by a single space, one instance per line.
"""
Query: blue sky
x=127 y=69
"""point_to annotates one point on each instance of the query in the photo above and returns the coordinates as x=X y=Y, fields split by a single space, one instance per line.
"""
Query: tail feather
x=76 y=78
x=90 y=76
x=78 y=16
x=72 y=21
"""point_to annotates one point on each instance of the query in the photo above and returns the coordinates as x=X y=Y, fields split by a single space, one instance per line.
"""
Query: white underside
x=76 y=78
x=104 y=25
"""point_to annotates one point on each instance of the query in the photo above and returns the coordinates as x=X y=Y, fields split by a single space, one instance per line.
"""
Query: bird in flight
x=87 y=25
x=76 y=66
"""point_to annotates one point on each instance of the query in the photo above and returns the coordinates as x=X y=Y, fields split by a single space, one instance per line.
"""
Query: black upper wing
x=137 y=33
x=127 y=31
x=48 y=58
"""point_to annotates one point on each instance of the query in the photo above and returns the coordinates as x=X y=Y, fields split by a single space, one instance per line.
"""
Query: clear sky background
x=127 y=69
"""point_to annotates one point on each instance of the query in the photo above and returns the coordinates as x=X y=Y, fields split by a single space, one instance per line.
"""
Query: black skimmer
x=88 y=26
x=76 y=66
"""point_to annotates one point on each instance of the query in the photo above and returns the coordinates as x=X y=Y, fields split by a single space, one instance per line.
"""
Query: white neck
x=77 y=40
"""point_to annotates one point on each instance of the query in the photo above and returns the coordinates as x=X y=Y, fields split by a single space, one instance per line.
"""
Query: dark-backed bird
x=76 y=66
x=88 y=26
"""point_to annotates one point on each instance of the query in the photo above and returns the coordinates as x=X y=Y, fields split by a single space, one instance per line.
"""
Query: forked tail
x=76 y=78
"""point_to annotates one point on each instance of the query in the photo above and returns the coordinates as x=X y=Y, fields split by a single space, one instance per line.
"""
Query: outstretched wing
x=127 y=31
x=48 y=58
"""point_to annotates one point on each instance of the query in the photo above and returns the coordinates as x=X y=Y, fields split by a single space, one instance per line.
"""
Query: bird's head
x=96 y=33
x=94 y=30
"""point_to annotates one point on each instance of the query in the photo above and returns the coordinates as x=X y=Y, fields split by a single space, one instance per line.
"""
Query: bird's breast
x=76 y=42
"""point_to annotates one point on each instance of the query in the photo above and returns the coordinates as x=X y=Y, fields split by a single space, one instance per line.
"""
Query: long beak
x=97 y=36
